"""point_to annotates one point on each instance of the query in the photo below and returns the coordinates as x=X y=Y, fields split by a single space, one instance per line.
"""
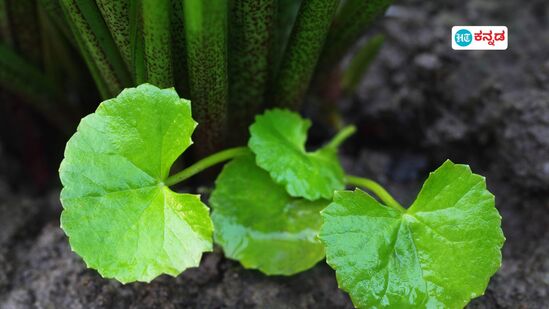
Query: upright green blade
x=116 y=14
x=360 y=63
x=61 y=64
x=179 y=49
x=97 y=46
x=251 y=26
x=286 y=15
x=19 y=76
x=302 y=51
x=206 y=35
x=25 y=29
x=137 y=45
x=100 y=83
x=157 y=38
x=57 y=17
x=351 y=21
x=5 y=31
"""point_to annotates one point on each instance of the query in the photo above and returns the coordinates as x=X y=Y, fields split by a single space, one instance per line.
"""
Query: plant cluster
x=232 y=58
x=276 y=207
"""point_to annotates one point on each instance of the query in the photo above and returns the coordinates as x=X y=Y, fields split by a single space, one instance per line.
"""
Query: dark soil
x=420 y=104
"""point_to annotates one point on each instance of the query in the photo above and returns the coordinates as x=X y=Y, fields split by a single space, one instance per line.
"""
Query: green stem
x=376 y=188
x=341 y=136
x=205 y=163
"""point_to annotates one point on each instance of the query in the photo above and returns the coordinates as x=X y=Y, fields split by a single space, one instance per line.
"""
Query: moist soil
x=419 y=104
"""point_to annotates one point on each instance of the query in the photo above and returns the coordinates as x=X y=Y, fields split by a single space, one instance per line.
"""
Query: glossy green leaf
x=259 y=224
x=440 y=253
x=119 y=216
x=278 y=139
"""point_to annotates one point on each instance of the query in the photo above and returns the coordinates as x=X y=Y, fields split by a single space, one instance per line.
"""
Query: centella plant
x=241 y=68
x=276 y=207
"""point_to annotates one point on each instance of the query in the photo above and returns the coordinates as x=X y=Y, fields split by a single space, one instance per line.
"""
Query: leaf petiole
x=205 y=163
x=341 y=136
x=375 y=188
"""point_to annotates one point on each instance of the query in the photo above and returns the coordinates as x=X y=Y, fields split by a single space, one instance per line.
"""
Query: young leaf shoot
x=278 y=140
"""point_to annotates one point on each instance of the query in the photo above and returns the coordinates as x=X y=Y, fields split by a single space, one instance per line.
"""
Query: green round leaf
x=119 y=216
x=278 y=140
x=440 y=253
x=259 y=224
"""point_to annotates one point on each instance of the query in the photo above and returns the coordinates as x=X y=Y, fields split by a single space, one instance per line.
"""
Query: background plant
x=231 y=58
